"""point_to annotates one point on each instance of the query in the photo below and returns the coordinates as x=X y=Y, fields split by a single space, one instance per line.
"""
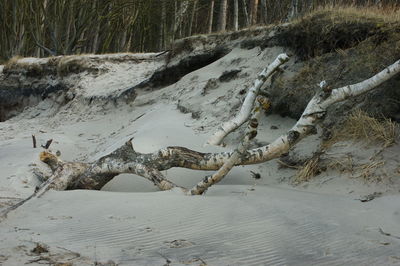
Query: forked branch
x=248 y=103
x=126 y=160
x=76 y=175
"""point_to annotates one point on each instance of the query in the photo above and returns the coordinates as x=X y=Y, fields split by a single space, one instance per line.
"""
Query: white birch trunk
x=210 y=22
x=222 y=15
x=253 y=11
x=248 y=103
x=246 y=14
x=264 y=11
x=161 y=35
x=179 y=17
x=294 y=10
x=345 y=92
x=192 y=18
x=236 y=15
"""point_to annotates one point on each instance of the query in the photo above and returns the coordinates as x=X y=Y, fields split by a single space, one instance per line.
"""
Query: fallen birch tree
x=93 y=176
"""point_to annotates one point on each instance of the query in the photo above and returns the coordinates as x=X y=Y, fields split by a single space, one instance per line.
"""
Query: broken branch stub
x=248 y=103
x=34 y=141
x=47 y=145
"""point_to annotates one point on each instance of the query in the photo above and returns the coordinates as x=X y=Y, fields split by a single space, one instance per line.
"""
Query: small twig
x=167 y=260
x=34 y=141
x=48 y=143
x=40 y=175
x=10 y=198
x=73 y=253
x=387 y=234
x=327 y=180
x=39 y=191
x=162 y=53
x=288 y=165
x=3 y=214
x=138 y=117
x=255 y=175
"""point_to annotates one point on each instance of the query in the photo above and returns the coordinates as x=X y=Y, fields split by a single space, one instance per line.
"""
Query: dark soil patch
x=172 y=73
x=342 y=49
x=13 y=99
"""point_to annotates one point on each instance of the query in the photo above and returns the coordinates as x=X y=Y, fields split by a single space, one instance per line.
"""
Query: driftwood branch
x=126 y=160
x=248 y=103
x=76 y=175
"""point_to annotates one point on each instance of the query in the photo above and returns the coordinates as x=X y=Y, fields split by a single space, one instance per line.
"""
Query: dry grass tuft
x=17 y=65
x=309 y=170
x=71 y=64
x=328 y=29
x=12 y=62
x=362 y=127
x=343 y=165
x=389 y=13
x=372 y=171
x=369 y=171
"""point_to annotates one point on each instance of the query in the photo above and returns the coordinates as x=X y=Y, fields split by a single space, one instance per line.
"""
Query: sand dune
x=241 y=221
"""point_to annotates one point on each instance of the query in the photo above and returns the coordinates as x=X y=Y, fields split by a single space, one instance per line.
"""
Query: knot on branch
x=264 y=102
x=254 y=123
x=50 y=159
x=252 y=134
x=292 y=137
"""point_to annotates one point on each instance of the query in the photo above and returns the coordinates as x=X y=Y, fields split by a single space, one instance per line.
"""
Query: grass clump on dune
x=361 y=127
x=328 y=29
x=16 y=65
x=305 y=173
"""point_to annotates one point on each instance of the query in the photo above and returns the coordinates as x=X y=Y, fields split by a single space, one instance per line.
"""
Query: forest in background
x=60 y=27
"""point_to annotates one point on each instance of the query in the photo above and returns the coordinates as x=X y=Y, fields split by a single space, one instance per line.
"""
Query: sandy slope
x=239 y=222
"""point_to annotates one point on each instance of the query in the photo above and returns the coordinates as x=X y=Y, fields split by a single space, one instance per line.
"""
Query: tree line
x=61 y=27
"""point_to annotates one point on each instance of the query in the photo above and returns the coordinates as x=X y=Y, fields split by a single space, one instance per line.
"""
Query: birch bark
x=248 y=103
x=239 y=152
x=210 y=21
x=222 y=15
x=236 y=15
